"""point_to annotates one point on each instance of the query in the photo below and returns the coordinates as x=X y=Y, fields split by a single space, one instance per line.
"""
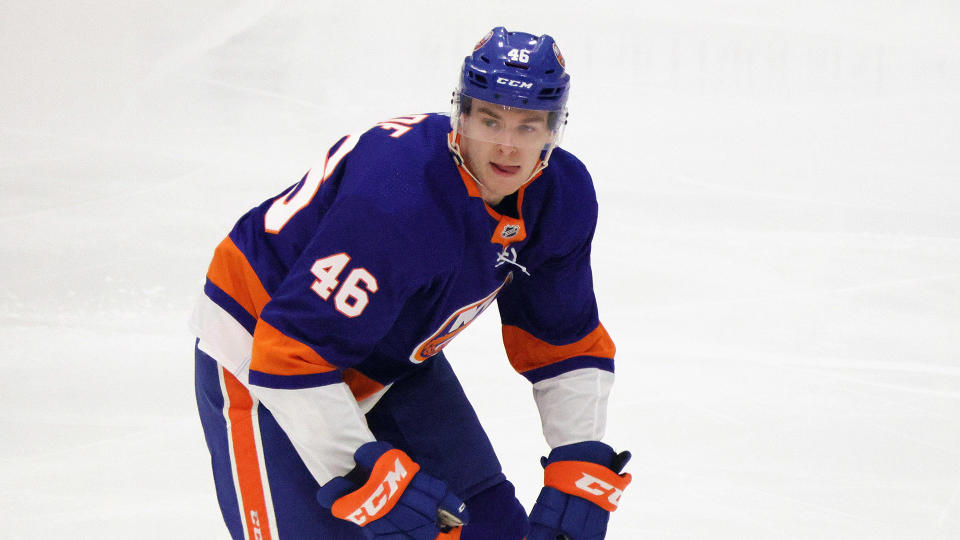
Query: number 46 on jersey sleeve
x=351 y=296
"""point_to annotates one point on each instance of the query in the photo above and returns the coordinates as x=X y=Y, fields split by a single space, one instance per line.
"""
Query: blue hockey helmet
x=513 y=70
x=516 y=69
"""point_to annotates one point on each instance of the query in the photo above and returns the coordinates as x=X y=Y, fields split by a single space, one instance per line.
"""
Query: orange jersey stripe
x=231 y=271
x=277 y=354
x=527 y=352
x=361 y=385
x=245 y=457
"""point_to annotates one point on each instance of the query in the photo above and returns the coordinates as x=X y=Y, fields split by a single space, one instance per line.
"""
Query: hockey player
x=325 y=398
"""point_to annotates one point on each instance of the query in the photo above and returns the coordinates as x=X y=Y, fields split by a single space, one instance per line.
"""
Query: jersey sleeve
x=361 y=261
x=339 y=298
x=309 y=282
x=553 y=336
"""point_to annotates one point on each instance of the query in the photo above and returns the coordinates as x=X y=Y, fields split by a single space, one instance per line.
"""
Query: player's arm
x=554 y=338
x=337 y=302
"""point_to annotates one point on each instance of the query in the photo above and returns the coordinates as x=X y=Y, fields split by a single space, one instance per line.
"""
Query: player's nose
x=506 y=146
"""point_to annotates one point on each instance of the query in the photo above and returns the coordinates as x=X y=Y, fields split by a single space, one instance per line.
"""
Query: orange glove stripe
x=391 y=474
x=589 y=481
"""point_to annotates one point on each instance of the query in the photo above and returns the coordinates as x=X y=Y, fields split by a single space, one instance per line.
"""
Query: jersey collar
x=509 y=230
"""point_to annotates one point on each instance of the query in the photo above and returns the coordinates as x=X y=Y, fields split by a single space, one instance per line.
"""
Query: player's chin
x=492 y=188
x=503 y=184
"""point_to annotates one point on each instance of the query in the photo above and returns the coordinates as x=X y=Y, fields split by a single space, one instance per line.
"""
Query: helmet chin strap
x=453 y=143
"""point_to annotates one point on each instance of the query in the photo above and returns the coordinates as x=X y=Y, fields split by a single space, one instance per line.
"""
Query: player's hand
x=388 y=496
x=582 y=485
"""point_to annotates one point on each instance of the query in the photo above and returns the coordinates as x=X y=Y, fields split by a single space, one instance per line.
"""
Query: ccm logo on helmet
x=599 y=488
x=378 y=500
x=513 y=83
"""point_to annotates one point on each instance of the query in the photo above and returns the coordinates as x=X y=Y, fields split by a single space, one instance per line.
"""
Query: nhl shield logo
x=509 y=231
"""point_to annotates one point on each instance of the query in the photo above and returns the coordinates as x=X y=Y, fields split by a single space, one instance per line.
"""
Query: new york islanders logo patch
x=454 y=324
x=483 y=41
x=556 y=51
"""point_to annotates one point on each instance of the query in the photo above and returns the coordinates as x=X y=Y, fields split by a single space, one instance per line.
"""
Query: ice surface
x=778 y=257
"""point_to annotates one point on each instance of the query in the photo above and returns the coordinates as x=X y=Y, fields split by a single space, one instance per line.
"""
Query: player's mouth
x=505 y=170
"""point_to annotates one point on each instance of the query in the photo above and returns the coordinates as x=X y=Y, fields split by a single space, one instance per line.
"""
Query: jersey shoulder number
x=288 y=204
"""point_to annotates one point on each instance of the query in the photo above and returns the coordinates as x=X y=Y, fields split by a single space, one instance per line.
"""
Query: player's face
x=501 y=146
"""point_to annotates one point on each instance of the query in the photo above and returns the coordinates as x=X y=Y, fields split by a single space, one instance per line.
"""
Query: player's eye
x=491 y=123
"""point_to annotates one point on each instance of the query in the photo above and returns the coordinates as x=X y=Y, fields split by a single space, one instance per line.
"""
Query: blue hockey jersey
x=372 y=263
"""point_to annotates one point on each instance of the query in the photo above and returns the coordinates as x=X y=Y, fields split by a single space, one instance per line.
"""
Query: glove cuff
x=591 y=451
x=390 y=475
x=595 y=483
